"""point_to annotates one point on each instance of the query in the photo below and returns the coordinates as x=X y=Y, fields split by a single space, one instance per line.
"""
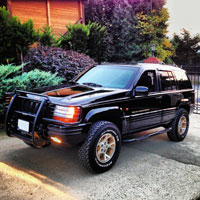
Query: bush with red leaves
x=67 y=64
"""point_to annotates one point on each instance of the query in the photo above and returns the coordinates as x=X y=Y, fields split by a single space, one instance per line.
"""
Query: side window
x=165 y=81
x=173 y=82
x=182 y=79
x=148 y=79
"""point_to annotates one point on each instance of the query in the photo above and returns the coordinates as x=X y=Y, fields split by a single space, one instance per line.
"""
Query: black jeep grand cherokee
x=102 y=107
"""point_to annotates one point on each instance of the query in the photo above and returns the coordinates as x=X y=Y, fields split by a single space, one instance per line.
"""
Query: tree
x=125 y=35
x=120 y=20
x=186 y=47
x=15 y=37
x=47 y=36
x=153 y=28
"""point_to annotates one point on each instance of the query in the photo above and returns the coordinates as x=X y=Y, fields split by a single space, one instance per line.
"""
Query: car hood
x=83 y=95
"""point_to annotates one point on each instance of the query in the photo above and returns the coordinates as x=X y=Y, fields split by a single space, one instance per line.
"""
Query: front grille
x=50 y=110
x=27 y=105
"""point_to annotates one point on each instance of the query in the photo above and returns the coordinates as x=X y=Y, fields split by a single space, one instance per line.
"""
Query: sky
x=183 y=14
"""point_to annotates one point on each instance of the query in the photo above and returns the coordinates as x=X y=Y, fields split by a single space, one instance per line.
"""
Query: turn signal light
x=55 y=139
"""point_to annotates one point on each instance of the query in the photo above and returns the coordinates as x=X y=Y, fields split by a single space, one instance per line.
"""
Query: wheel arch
x=111 y=114
x=186 y=107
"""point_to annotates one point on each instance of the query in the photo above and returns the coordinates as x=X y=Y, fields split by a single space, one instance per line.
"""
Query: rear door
x=170 y=96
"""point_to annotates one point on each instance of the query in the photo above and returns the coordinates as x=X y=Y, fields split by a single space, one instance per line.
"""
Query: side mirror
x=141 y=91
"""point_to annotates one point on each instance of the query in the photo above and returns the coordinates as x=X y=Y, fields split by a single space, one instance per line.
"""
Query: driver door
x=145 y=111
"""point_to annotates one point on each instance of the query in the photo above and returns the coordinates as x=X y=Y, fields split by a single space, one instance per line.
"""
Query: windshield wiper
x=92 y=84
x=73 y=82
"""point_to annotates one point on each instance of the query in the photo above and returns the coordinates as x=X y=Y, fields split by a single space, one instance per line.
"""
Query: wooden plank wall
x=56 y=13
x=34 y=9
x=63 y=12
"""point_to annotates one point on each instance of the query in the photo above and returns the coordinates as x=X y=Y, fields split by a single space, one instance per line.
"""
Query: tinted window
x=148 y=79
x=165 y=81
x=182 y=79
x=173 y=82
x=109 y=76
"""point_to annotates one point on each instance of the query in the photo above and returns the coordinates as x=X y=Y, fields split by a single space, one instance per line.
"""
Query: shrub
x=15 y=37
x=76 y=38
x=83 y=38
x=11 y=80
x=31 y=80
x=67 y=64
x=9 y=71
x=46 y=36
x=96 y=40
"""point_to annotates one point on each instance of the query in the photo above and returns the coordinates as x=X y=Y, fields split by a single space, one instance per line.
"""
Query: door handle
x=159 y=97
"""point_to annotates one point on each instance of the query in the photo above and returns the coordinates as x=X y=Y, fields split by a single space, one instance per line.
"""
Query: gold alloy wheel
x=105 y=148
x=182 y=125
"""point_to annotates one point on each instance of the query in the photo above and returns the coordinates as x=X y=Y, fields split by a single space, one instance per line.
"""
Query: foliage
x=15 y=37
x=125 y=36
x=96 y=40
x=33 y=79
x=153 y=31
x=186 y=47
x=122 y=42
x=87 y=39
x=46 y=36
x=11 y=80
x=158 y=4
x=67 y=64
x=76 y=38
x=132 y=26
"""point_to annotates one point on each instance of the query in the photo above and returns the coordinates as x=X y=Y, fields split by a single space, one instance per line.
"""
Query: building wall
x=56 y=13
x=63 y=12
x=34 y=9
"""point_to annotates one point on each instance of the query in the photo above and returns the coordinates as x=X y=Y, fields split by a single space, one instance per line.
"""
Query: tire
x=101 y=149
x=177 y=133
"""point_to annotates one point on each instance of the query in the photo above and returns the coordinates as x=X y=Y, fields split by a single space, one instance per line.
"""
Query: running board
x=146 y=136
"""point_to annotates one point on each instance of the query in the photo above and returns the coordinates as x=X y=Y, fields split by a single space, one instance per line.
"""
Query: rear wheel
x=101 y=149
x=180 y=126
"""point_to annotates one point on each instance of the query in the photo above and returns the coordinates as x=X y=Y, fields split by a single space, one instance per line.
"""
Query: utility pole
x=153 y=49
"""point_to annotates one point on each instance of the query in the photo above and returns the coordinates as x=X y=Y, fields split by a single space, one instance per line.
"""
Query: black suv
x=102 y=107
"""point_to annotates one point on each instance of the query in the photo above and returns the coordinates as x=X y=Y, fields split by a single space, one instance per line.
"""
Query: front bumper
x=33 y=108
x=68 y=134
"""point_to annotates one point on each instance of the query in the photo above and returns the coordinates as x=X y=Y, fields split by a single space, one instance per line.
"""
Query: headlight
x=67 y=114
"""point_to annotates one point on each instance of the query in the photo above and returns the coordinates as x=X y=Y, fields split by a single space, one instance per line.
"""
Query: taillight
x=67 y=114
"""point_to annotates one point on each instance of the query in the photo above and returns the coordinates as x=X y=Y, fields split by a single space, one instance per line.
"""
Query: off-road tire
x=87 y=152
x=174 y=134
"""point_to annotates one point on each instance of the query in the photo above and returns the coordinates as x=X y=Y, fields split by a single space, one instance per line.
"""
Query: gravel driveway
x=151 y=169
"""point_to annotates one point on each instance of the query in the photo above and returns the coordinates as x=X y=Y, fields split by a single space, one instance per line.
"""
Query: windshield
x=108 y=76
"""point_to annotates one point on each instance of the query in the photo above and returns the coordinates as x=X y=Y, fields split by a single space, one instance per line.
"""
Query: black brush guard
x=28 y=109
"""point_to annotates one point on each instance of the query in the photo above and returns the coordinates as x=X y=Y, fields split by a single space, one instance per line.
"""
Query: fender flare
x=94 y=112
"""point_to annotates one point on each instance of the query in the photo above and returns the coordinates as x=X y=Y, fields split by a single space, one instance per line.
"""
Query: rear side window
x=167 y=81
x=182 y=80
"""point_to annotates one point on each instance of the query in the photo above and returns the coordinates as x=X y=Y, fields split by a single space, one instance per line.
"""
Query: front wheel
x=101 y=149
x=180 y=126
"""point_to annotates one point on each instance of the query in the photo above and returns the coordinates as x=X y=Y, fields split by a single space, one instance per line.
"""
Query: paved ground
x=152 y=169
